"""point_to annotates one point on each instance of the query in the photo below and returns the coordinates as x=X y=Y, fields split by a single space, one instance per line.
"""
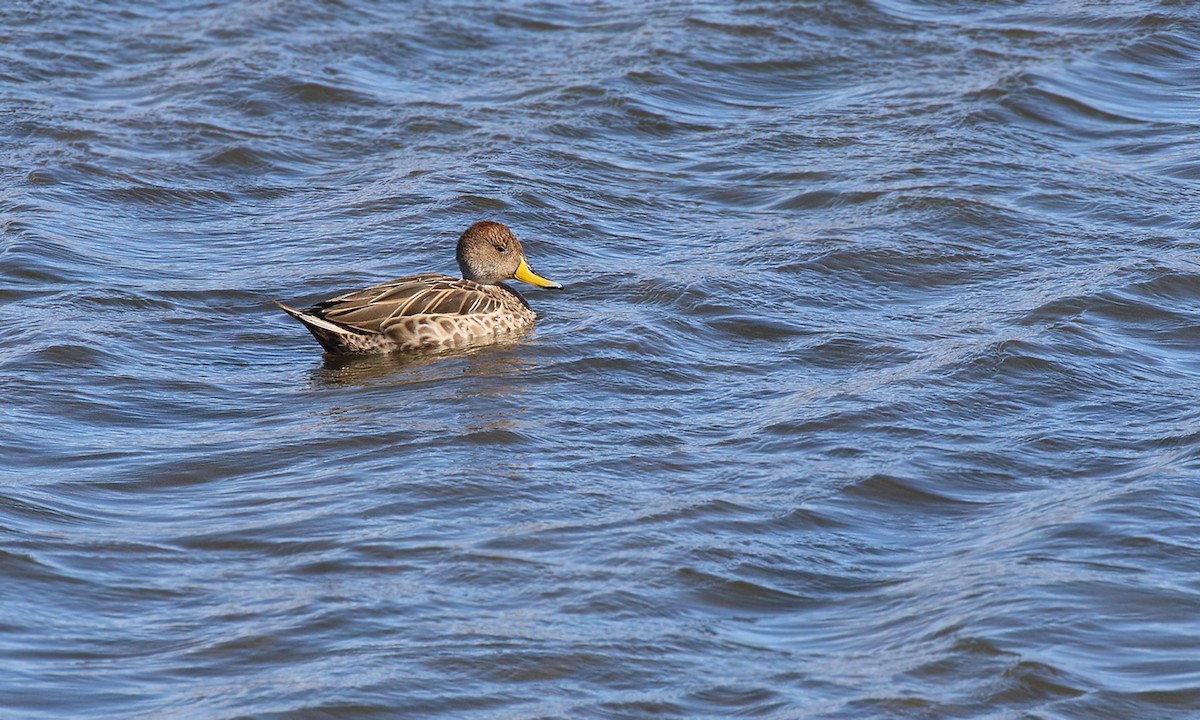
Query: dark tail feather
x=332 y=336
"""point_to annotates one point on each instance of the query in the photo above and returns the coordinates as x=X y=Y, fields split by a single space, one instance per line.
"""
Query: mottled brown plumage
x=431 y=311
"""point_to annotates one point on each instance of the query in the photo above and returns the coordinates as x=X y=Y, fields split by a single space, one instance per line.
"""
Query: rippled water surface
x=873 y=392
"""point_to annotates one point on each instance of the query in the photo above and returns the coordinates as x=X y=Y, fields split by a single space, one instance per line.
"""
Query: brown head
x=488 y=253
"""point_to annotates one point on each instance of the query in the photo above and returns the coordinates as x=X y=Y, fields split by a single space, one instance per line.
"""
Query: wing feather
x=374 y=309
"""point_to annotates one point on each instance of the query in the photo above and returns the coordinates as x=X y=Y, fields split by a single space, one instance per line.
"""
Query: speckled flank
x=433 y=332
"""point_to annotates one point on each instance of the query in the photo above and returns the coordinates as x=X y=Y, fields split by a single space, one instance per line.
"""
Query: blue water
x=873 y=392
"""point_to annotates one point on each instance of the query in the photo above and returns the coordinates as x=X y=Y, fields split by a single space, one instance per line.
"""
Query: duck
x=432 y=311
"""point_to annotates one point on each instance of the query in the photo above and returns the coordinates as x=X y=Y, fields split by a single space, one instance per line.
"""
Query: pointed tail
x=333 y=337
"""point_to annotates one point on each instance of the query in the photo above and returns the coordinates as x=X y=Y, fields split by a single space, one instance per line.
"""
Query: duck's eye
x=501 y=248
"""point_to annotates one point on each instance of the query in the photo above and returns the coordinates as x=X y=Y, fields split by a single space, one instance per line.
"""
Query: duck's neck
x=515 y=294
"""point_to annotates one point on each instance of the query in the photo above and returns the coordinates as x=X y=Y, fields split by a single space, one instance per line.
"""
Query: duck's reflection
x=465 y=408
x=409 y=368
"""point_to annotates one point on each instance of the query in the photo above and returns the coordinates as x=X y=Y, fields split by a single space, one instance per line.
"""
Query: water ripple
x=872 y=393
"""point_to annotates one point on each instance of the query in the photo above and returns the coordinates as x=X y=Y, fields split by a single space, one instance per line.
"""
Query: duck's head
x=488 y=253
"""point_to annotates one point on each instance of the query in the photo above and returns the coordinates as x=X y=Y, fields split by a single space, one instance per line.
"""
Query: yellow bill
x=525 y=274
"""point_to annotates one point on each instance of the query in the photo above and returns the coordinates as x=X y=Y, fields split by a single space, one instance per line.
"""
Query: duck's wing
x=367 y=320
x=373 y=309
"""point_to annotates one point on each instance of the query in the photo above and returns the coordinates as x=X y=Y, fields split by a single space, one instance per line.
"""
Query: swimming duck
x=431 y=311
